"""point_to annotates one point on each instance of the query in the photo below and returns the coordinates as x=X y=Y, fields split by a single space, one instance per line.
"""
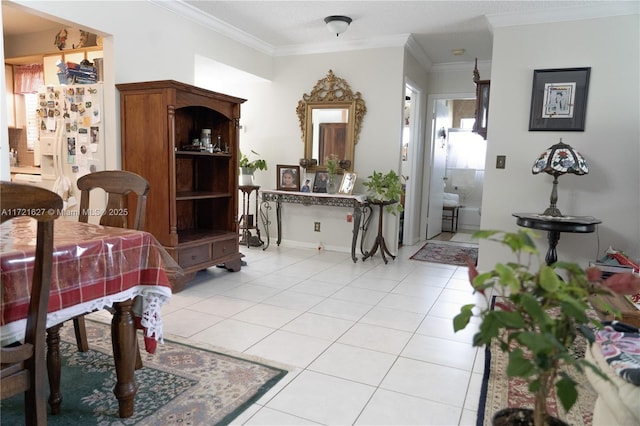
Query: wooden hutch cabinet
x=192 y=207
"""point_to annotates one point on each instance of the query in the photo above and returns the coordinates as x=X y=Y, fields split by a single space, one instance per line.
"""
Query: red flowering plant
x=537 y=315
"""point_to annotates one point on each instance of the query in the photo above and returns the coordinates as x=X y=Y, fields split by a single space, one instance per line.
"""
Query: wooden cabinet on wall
x=192 y=207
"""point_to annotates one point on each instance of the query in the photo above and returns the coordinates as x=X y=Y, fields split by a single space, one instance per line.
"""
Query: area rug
x=500 y=391
x=450 y=254
x=179 y=384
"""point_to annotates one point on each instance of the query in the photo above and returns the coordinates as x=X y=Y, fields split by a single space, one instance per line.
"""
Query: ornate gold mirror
x=330 y=120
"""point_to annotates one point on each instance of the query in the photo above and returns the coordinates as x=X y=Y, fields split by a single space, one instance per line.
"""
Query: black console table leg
x=279 y=221
x=357 y=217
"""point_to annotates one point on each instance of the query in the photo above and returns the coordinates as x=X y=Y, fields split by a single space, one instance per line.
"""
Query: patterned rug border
x=455 y=262
x=238 y=381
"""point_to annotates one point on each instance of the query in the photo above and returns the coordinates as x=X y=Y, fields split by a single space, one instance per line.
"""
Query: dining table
x=94 y=267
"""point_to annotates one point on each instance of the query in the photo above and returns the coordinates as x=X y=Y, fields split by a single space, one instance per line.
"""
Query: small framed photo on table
x=288 y=177
x=320 y=182
x=348 y=181
x=559 y=99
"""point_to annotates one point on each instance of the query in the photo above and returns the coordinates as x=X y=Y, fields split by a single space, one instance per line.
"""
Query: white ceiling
x=297 y=27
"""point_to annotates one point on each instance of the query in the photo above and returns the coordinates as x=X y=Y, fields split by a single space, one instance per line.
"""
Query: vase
x=332 y=184
x=246 y=176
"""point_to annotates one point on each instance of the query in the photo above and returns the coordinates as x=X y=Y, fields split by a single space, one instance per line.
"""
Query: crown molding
x=484 y=67
x=342 y=46
x=600 y=9
x=187 y=11
x=416 y=51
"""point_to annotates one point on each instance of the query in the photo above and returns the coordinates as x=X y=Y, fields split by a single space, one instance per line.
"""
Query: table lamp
x=558 y=160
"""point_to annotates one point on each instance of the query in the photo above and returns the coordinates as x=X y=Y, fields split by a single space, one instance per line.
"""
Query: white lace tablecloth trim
x=147 y=307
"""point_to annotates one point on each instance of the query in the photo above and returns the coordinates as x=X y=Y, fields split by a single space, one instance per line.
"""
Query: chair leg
x=81 y=333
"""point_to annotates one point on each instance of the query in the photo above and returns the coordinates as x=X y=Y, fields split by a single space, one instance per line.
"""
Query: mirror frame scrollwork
x=331 y=92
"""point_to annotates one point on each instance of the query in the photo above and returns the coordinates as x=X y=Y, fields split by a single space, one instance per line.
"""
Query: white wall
x=610 y=142
x=272 y=129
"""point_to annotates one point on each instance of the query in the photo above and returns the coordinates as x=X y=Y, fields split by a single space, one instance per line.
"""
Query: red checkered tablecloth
x=93 y=267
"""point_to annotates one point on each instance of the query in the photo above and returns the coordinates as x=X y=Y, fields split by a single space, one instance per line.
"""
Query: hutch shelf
x=192 y=207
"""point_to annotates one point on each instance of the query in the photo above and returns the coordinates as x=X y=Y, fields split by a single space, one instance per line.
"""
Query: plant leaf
x=567 y=392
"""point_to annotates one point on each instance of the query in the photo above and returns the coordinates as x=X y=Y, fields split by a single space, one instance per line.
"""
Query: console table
x=555 y=225
x=356 y=202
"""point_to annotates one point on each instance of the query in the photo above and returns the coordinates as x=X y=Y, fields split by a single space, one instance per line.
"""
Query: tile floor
x=365 y=343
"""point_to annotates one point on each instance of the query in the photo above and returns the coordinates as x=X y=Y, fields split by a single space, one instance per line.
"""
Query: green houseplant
x=537 y=318
x=385 y=187
x=332 y=169
x=247 y=168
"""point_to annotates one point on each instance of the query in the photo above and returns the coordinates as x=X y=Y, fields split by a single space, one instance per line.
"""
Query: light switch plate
x=501 y=161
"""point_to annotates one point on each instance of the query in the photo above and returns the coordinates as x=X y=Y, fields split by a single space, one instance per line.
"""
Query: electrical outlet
x=316 y=226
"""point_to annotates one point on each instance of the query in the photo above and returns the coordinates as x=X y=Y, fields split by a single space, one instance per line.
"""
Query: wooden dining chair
x=23 y=365
x=117 y=184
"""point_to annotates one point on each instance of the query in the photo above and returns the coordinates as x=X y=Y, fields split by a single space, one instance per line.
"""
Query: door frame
x=427 y=159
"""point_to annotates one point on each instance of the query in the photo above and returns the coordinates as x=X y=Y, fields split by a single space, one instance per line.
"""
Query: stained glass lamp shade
x=558 y=160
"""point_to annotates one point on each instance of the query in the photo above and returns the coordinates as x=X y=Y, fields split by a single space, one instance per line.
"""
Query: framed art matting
x=559 y=99
x=288 y=178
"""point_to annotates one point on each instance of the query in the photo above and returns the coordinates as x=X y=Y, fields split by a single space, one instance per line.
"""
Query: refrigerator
x=71 y=138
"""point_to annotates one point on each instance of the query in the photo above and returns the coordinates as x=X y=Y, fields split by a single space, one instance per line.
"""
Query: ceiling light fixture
x=457 y=52
x=337 y=24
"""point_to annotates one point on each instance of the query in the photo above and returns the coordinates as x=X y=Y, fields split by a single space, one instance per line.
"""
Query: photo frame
x=347 y=184
x=320 y=182
x=559 y=99
x=288 y=177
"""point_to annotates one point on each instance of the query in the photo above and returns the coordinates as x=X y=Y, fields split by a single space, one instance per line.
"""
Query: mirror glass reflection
x=329 y=133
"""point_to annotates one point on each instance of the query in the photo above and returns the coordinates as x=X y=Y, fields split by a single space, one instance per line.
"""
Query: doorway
x=456 y=158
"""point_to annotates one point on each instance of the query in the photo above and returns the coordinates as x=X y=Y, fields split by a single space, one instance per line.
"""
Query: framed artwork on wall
x=288 y=177
x=559 y=99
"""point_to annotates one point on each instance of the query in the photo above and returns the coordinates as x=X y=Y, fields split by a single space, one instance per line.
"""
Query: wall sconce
x=337 y=24
x=557 y=160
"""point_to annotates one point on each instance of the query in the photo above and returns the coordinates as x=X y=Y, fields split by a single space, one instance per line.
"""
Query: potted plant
x=385 y=188
x=536 y=319
x=247 y=168
x=332 y=170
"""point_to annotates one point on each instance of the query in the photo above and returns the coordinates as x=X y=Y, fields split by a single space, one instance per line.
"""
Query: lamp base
x=552 y=211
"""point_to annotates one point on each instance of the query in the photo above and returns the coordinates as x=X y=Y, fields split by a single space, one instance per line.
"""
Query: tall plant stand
x=380 y=243
x=248 y=221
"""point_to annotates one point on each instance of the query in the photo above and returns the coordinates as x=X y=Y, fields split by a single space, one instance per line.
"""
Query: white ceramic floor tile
x=376 y=338
x=407 y=303
x=317 y=287
x=443 y=328
x=320 y=326
x=469 y=418
x=440 y=351
x=289 y=348
x=222 y=306
x=252 y=292
x=323 y=399
x=425 y=380
x=359 y=295
x=392 y=408
x=338 y=326
x=294 y=300
x=353 y=363
x=232 y=334
x=393 y=318
x=186 y=322
x=269 y=417
x=267 y=315
x=341 y=309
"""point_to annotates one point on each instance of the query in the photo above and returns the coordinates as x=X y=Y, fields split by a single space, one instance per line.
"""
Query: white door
x=441 y=120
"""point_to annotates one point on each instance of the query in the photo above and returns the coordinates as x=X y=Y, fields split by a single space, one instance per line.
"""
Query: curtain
x=27 y=78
